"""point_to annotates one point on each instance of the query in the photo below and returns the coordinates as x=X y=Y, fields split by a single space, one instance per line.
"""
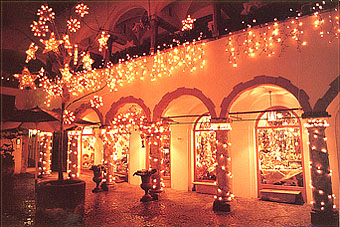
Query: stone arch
x=125 y=100
x=299 y=94
x=85 y=106
x=170 y=96
x=322 y=103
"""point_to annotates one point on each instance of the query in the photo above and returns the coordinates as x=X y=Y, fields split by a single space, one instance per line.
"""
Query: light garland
x=316 y=123
x=88 y=61
x=45 y=153
x=39 y=28
x=186 y=57
x=328 y=26
x=45 y=13
x=321 y=173
x=26 y=79
x=264 y=40
x=69 y=117
x=73 y=25
x=31 y=52
x=51 y=44
x=153 y=132
x=104 y=37
x=73 y=168
x=82 y=9
x=96 y=102
x=65 y=72
x=188 y=23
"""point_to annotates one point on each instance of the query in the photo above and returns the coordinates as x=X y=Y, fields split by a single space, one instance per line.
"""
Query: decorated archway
x=298 y=93
x=170 y=96
x=121 y=102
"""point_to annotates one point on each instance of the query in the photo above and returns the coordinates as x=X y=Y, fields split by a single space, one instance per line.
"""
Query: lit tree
x=71 y=76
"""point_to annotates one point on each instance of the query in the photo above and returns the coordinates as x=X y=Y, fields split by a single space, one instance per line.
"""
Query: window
x=279 y=149
x=205 y=150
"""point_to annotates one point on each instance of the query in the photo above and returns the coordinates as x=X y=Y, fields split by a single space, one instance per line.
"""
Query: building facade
x=260 y=106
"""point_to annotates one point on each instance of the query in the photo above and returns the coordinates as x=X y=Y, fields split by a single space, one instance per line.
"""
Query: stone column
x=323 y=211
x=73 y=145
x=223 y=169
x=155 y=161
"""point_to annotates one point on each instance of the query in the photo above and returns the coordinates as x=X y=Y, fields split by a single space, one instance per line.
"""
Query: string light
x=263 y=40
x=26 y=79
x=104 y=37
x=31 y=52
x=73 y=155
x=96 y=102
x=318 y=148
x=65 y=72
x=39 y=28
x=188 y=23
x=51 y=44
x=88 y=61
x=82 y=9
x=45 y=147
x=69 y=117
x=316 y=123
x=45 y=13
x=73 y=25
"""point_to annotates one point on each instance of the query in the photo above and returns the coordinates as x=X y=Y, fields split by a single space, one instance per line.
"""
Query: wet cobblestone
x=121 y=207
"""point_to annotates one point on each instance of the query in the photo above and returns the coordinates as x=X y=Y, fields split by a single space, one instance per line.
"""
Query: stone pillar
x=73 y=154
x=155 y=161
x=323 y=211
x=223 y=170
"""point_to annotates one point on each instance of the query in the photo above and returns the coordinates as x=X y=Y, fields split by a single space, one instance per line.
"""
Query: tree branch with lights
x=71 y=77
x=71 y=74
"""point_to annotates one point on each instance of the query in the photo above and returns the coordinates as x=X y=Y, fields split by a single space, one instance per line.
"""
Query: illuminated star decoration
x=26 y=79
x=67 y=44
x=41 y=72
x=87 y=62
x=39 y=28
x=65 y=72
x=45 y=13
x=68 y=117
x=96 y=102
x=51 y=44
x=188 y=23
x=104 y=37
x=82 y=9
x=31 y=52
x=73 y=25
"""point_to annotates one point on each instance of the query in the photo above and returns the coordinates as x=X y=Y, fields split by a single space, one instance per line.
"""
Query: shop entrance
x=280 y=168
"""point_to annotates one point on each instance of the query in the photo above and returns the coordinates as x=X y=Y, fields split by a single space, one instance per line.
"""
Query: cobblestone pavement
x=120 y=206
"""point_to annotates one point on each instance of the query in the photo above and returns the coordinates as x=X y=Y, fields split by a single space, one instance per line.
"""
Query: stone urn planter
x=146 y=184
x=62 y=197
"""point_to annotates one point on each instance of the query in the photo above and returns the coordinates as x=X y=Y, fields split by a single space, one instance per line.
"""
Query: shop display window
x=279 y=149
x=165 y=155
x=120 y=154
x=205 y=150
x=88 y=151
